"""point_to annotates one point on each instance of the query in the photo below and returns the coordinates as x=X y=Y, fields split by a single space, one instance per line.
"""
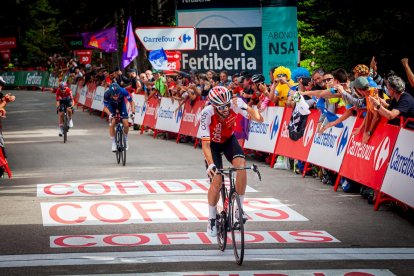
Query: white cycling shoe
x=60 y=131
x=236 y=213
x=114 y=146
x=71 y=123
x=211 y=228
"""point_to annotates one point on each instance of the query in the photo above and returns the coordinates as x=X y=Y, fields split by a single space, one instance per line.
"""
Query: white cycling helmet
x=219 y=95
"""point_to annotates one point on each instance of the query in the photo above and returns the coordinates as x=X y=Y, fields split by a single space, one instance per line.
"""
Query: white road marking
x=179 y=256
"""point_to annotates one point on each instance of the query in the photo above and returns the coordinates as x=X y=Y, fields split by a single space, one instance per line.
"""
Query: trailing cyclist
x=217 y=133
x=114 y=99
x=64 y=98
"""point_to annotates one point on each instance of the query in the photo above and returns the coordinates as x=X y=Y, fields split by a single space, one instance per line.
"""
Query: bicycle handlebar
x=253 y=167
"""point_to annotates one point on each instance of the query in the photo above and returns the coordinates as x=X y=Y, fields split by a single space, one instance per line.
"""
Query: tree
x=42 y=36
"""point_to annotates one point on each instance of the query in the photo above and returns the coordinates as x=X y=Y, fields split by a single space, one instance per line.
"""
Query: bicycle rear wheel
x=118 y=138
x=237 y=228
x=65 y=127
x=221 y=219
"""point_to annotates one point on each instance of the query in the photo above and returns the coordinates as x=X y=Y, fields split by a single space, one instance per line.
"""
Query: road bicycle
x=66 y=119
x=120 y=140
x=230 y=214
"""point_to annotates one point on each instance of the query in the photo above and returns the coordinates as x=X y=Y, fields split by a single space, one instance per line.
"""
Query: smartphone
x=306 y=81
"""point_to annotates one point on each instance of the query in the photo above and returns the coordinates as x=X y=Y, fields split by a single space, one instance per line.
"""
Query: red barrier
x=150 y=119
x=191 y=119
x=89 y=95
x=296 y=149
x=367 y=163
x=5 y=164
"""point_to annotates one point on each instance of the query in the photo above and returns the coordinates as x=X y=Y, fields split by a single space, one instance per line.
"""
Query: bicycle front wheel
x=65 y=127
x=123 y=147
x=237 y=228
x=118 y=139
x=221 y=219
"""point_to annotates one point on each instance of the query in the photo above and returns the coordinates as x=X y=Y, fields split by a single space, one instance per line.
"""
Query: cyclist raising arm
x=64 y=98
x=114 y=99
x=217 y=124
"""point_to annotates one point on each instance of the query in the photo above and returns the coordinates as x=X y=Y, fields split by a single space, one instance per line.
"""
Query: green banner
x=279 y=38
x=29 y=78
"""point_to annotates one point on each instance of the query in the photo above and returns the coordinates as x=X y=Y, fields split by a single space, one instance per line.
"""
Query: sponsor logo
x=259 y=128
x=326 y=139
x=198 y=116
x=217 y=133
x=274 y=127
x=402 y=164
x=285 y=131
x=9 y=79
x=342 y=140
x=307 y=135
x=33 y=79
x=179 y=115
x=359 y=149
x=165 y=113
x=185 y=38
x=381 y=153
x=163 y=39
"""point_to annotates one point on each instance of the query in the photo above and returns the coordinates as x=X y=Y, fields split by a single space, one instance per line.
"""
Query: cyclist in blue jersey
x=114 y=99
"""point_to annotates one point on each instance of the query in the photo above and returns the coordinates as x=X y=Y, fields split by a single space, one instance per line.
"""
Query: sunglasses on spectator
x=328 y=79
x=223 y=107
x=281 y=75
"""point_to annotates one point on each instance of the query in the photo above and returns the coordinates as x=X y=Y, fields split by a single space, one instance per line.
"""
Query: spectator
x=224 y=78
x=283 y=77
x=122 y=80
x=4 y=99
x=134 y=84
x=371 y=120
x=402 y=103
x=149 y=75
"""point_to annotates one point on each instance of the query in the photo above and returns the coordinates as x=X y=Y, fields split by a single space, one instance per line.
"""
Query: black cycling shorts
x=230 y=148
x=63 y=103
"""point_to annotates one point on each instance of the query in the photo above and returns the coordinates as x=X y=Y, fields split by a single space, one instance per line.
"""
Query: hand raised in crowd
x=404 y=62
x=373 y=64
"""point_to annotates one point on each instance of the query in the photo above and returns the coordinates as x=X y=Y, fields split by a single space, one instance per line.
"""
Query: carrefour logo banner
x=367 y=163
x=328 y=148
x=399 y=179
x=168 y=38
x=263 y=136
x=140 y=108
x=169 y=116
x=230 y=49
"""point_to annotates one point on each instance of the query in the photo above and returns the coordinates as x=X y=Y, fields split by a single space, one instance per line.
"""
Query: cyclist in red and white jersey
x=217 y=128
x=64 y=97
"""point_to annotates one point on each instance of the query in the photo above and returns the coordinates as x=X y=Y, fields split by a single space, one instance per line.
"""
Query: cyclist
x=64 y=98
x=217 y=124
x=114 y=99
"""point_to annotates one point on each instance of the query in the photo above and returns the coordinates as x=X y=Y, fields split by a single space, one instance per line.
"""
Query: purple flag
x=104 y=40
x=130 y=50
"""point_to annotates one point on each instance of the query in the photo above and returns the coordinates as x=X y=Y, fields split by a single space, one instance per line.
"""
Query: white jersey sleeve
x=205 y=121
x=239 y=108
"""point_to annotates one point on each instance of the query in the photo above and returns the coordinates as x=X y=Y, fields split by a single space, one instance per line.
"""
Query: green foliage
x=42 y=35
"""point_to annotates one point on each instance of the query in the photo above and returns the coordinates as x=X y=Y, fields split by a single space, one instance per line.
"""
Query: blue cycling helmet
x=114 y=89
x=62 y=85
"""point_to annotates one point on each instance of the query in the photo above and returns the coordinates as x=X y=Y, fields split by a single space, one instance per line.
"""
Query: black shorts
x=63 y=103
x=230 y=148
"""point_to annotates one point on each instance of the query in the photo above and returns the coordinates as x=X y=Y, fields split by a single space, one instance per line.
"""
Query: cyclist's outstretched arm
x=241 y=107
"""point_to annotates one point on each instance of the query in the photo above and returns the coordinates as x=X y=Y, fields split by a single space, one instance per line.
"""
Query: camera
x=306 y=81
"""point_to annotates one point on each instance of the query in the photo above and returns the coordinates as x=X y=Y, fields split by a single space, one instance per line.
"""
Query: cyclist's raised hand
x=211 y=170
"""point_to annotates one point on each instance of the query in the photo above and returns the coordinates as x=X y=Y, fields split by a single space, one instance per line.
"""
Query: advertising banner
x=174 y=61
x=85 y=56
x=367 y=163
x=233 y=50
x=168 y=38
x=7 y=43
x=328 y=148
x=98 y=98
x=399 y=179
x=300 y=148
x=263 y=136
x=169 y=116
x=191 y=118
x=151 y=114
x=279 y=36
x=89 y=94
x=140 y=108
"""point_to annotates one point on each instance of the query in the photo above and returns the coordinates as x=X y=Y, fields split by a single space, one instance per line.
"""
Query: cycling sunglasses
x=223 y=107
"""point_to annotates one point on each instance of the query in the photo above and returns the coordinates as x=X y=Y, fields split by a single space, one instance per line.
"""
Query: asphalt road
x=69 y=209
